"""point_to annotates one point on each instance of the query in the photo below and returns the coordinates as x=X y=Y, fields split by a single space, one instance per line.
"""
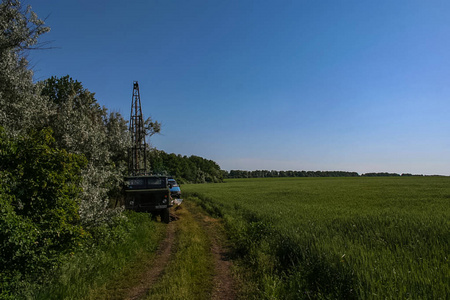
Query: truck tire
x=165 y=216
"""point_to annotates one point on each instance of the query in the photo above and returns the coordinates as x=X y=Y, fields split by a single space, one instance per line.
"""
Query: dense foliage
x=192 y=169
x=39 y=198
x=62 y=158
x=83 y=127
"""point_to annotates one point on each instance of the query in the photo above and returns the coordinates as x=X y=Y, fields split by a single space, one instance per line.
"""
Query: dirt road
x=223 y=286
x=153 y=272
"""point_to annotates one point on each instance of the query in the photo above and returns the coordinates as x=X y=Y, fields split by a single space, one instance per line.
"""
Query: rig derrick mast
x=138 y=151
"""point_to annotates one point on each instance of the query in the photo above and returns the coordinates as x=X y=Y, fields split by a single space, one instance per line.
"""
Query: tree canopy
x=192 y=169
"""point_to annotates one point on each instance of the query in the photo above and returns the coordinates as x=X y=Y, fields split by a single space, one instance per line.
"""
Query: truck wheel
x=165 y=216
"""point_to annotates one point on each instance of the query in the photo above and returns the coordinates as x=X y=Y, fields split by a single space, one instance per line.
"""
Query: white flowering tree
x=21 y=105
x=83 y=127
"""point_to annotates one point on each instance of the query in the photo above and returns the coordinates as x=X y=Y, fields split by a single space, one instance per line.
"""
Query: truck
x=175 y=190
x=149 y=193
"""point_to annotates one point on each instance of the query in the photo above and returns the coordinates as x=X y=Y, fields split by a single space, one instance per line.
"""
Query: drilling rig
x=144 y=192
x=138 y=154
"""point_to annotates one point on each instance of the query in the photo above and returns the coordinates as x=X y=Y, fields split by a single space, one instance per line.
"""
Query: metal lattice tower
x=137 y=155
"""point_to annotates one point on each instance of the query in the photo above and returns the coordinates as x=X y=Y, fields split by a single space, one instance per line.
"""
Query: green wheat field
x=360 y=238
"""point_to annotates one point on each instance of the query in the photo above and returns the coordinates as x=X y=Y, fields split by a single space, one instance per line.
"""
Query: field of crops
x=337 y=237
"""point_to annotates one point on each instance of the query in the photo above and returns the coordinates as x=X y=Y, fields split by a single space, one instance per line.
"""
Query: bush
x=39 y=199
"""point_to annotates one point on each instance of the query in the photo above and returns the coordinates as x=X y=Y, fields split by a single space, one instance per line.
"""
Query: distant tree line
x=381 y=174
x=273 y=173
x=385 y=174
x=185 y=169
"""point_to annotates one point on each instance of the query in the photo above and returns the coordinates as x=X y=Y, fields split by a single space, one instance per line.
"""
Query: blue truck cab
x=175 y=190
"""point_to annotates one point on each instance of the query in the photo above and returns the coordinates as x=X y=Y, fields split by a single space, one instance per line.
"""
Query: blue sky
x=285 y=85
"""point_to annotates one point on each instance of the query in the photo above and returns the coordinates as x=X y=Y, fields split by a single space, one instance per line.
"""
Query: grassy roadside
x=189 y=274
x=110 y=272
x=101 y=273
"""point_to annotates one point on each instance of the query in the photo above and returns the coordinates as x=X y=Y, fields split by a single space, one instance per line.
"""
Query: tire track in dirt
x=151 y=275
x=223 y=282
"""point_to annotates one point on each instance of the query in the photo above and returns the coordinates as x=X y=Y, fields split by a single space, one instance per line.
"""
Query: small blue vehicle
x=175 y=191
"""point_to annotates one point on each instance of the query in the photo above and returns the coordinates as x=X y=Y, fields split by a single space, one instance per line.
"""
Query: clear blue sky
x=285 y=85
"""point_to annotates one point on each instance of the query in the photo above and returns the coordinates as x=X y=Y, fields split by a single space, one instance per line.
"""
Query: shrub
x=39 y=198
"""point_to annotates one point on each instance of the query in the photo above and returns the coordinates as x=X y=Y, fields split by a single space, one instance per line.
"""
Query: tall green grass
x=98 y=270
x=189 y=273
x=357 y=238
